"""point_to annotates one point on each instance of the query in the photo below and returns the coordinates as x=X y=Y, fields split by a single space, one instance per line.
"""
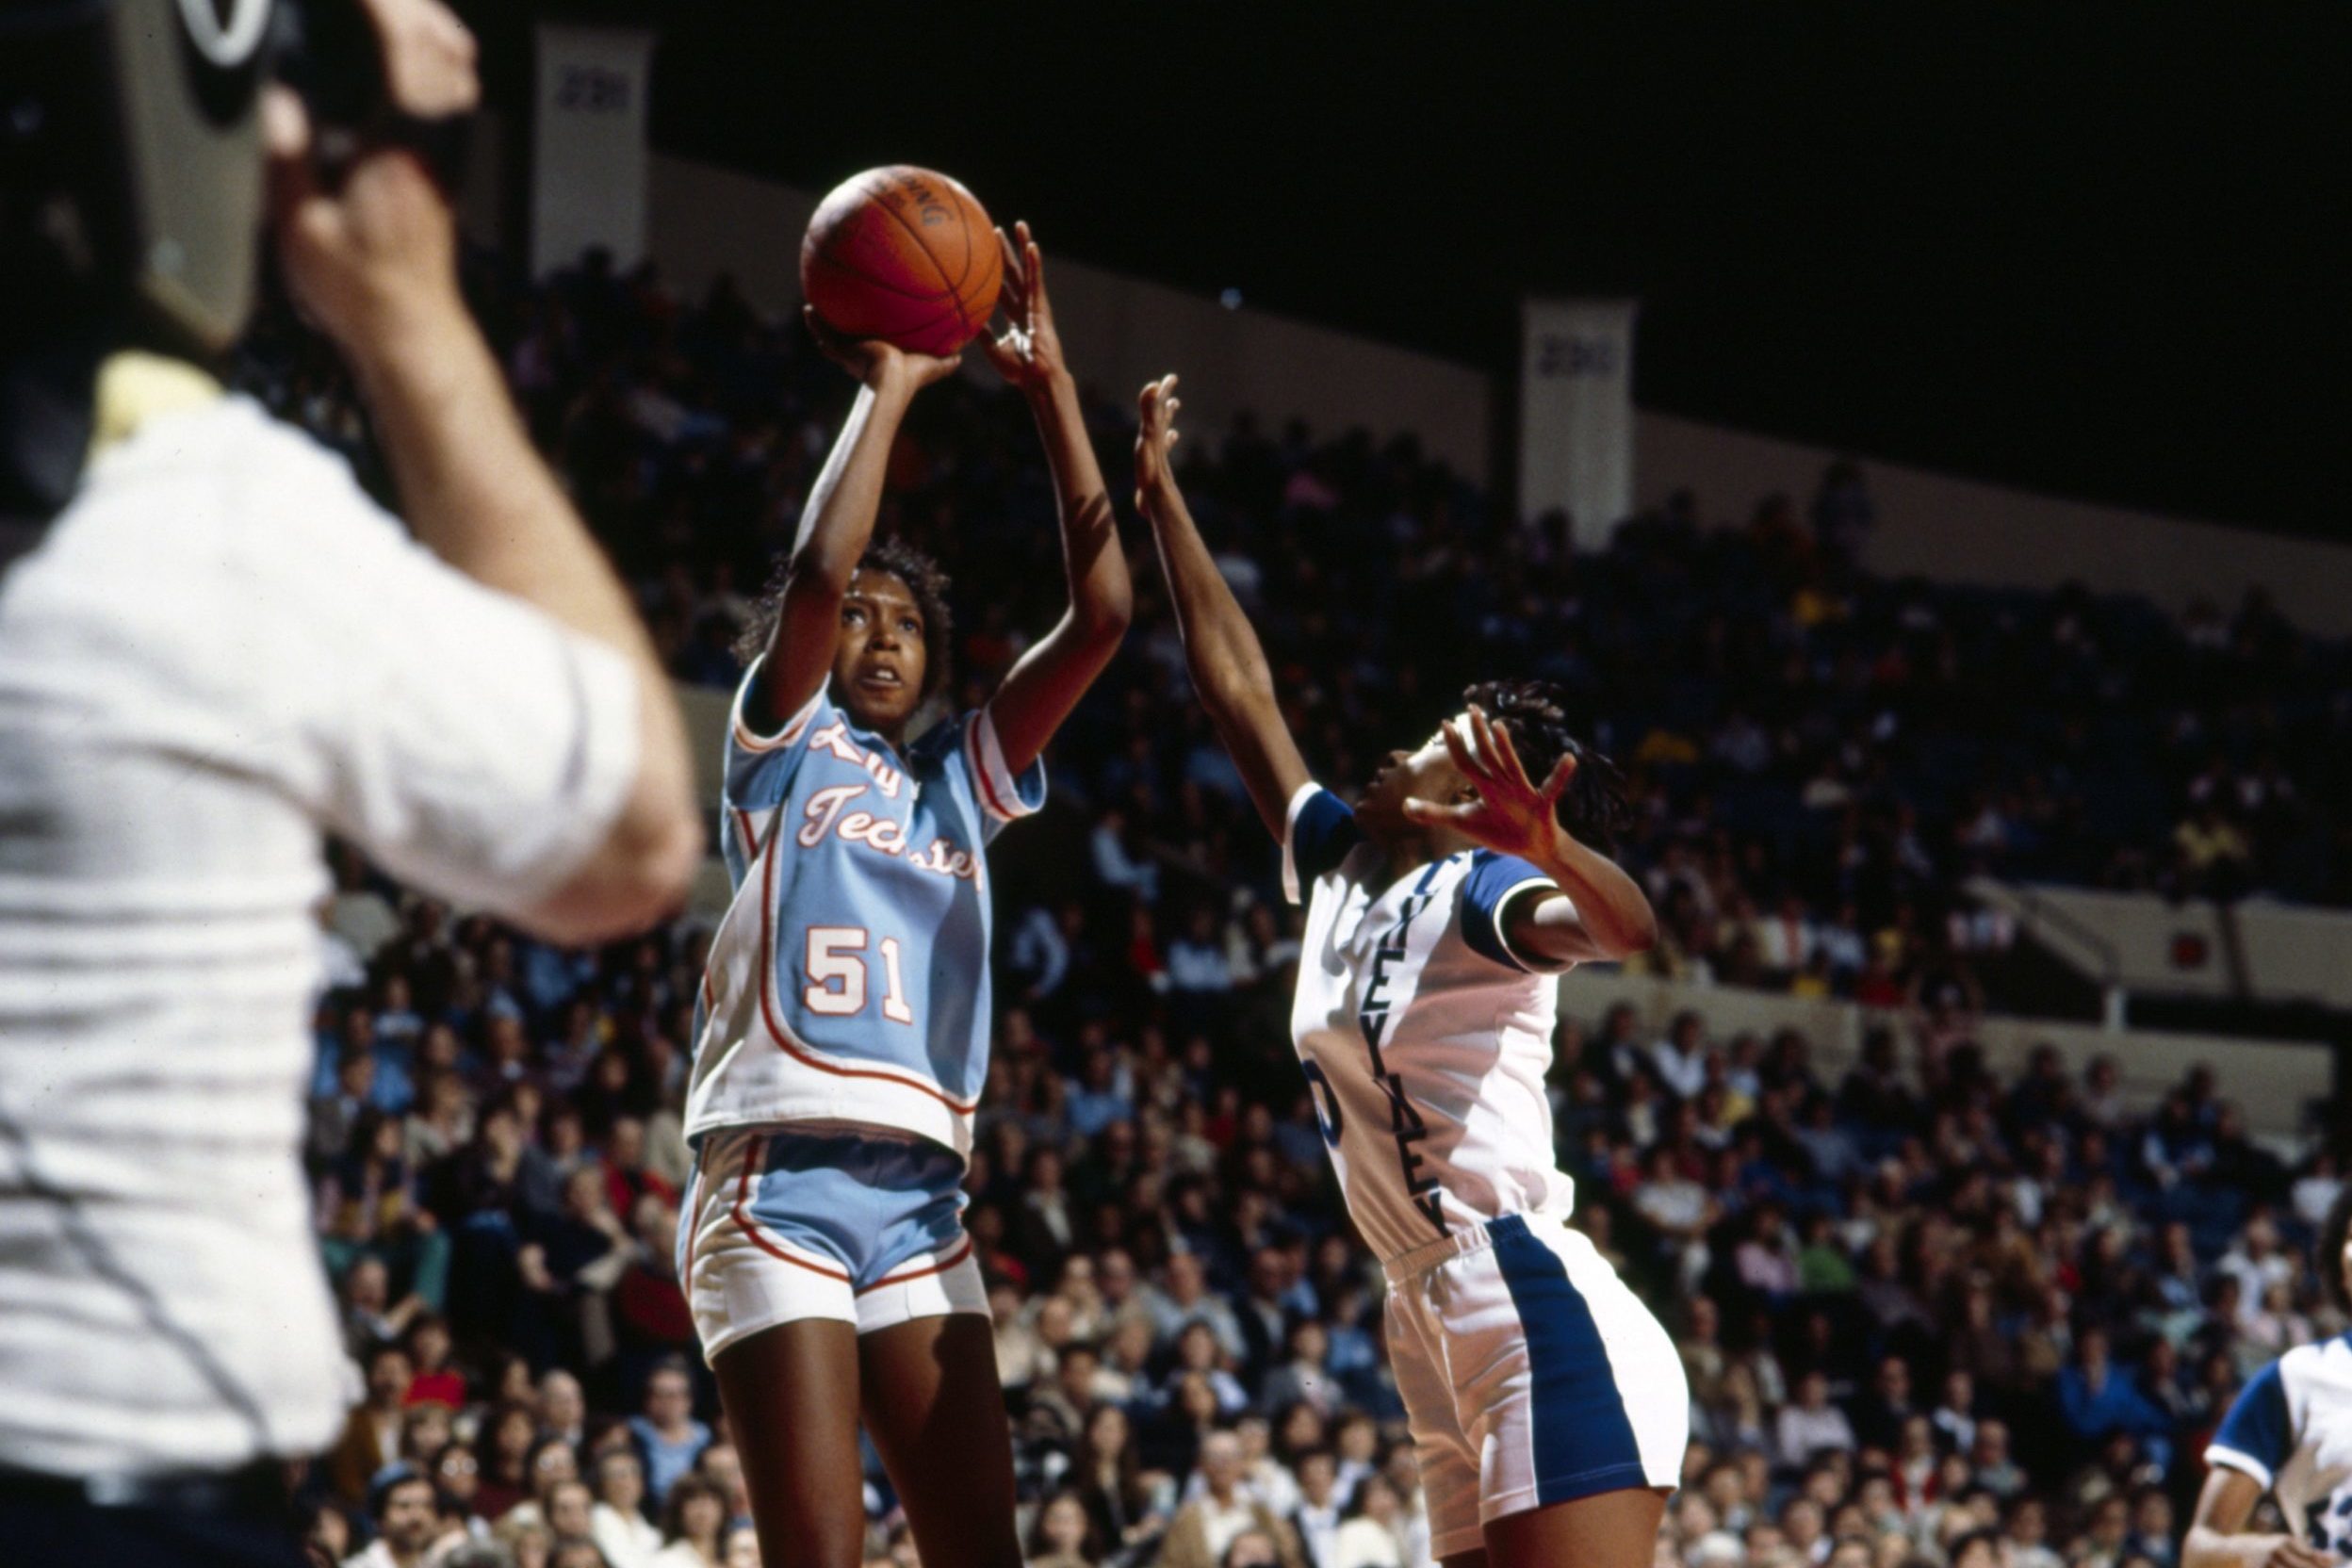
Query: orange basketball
x=904 y=254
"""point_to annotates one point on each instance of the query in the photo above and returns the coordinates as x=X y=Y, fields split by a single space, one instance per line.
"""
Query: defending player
x=2288 y=1433
x=843 y=1035
x=1548 y=1406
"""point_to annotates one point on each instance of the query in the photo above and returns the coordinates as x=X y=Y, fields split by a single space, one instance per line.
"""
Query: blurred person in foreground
x=208 y=662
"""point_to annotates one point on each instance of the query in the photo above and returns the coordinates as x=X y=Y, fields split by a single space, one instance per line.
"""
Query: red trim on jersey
x=940 y=1267
x=751 y=740
x=756 y=1150
x=754 y=1155
x=743 y=826
x=980 y=770
x=783 y=1039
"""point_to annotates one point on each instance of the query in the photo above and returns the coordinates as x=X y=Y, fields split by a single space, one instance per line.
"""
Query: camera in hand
x=131 y=187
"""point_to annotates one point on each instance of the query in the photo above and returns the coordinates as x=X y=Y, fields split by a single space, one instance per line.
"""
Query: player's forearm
x=1101 y=600
x=477 y=494
x=1607 y=904
x=1228 y=663
x=837 y=521
x=2205 y=1547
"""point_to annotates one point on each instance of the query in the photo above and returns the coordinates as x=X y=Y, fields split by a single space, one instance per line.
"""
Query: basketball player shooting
x=1549 y=1407
x=842 y=1039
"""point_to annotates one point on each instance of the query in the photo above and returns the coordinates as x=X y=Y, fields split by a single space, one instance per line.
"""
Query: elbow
x=1102 y=621
x=1640 y=936
x=639 y=877
x=1232 y=680
x=818 y=570
x=662 y=865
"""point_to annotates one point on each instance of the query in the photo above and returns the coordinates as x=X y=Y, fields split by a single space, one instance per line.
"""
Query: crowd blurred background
x=1932 y=1316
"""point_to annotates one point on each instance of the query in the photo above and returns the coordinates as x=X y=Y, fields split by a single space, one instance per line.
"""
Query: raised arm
x=837 y=521
x=1599 y=912
x=1229 y=668
x=1050 y=678
x=372 y=263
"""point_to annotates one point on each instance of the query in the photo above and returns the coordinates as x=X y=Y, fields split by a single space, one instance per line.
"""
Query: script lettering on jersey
x=827 y=811
x=834 y=738
x=1372 y=1015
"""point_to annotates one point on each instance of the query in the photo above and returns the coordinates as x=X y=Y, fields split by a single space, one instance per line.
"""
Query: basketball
x=904 y=254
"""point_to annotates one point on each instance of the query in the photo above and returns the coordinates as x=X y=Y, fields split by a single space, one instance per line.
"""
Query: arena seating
x=1915 y=1300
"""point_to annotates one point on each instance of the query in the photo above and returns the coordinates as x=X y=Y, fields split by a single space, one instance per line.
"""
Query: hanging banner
x=1576 y=414
x=588 y=146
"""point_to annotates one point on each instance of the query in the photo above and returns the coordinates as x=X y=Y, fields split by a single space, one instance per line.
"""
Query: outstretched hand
x=878 y=364
x=1028 y=352
x=1155 y=438
x=1509 y=814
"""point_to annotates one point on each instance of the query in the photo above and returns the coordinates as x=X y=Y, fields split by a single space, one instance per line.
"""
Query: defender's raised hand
x=1156 y=437
x=1028 y=352
x=1509 y=813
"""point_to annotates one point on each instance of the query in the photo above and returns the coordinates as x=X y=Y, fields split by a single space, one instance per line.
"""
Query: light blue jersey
x=849 y=981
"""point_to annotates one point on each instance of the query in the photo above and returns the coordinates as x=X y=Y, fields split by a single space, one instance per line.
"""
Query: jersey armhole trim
x=2245 y=1465
x=992 y=777
x=1532 y=963
x=748 y=737
x=1298 y=799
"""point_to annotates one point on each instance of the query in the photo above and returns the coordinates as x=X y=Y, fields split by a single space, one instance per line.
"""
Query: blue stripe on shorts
x=1584 y=1443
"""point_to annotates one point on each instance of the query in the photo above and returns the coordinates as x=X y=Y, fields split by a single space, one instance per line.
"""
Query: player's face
x=1428 y=773
x=878 y=664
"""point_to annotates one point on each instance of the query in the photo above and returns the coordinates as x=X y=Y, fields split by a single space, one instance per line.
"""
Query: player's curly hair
x=2329 y=1254
x=919 y=572
x=1536 y=714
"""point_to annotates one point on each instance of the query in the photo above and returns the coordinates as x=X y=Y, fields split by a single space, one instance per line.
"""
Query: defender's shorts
x=1530 y=1375
x=864 y=1227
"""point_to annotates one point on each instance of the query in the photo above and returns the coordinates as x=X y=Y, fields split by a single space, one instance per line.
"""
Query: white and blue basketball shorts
x=862 y=1226
x=1530 y=1375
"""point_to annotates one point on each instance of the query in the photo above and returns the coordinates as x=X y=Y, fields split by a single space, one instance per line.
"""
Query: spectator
x=1679 y=1057
x=667 y=1437
x=1372 y=1535
x=692 y=1520
x=1205 y=1528
x=1319 y=1517
x=1062 y=1537
x=1812 y=1426
x=401 y=1504
x=1185 y=1298
x=371 y=1432
x=2096 y=1401
x=618 y=1522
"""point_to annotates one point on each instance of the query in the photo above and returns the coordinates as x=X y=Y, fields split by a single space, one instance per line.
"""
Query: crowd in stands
x=1930 y=1317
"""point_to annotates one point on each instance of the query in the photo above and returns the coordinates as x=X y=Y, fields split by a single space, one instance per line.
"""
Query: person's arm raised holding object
x=1047 y=683
x=373 y=264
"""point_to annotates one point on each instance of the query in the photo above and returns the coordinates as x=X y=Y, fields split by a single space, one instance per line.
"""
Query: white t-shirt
x=219 y=649
x=1424 y=1036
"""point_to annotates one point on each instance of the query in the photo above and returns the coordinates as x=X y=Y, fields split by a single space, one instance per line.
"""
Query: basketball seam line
x=955 y=290
x=825 y=254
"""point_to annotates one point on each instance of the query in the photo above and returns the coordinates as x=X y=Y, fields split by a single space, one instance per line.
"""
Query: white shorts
x=1530 y=1374
x=863 y=1228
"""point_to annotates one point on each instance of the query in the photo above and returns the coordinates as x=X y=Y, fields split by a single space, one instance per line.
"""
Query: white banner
x=1576 y=414
x=588 y=146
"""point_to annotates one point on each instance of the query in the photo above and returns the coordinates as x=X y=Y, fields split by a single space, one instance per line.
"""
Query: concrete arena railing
x=2274 y=1084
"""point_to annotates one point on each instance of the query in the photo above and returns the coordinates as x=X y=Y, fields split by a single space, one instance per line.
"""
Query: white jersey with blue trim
x=1424 y=1036
x=849 y=980
x=2290 y=1429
